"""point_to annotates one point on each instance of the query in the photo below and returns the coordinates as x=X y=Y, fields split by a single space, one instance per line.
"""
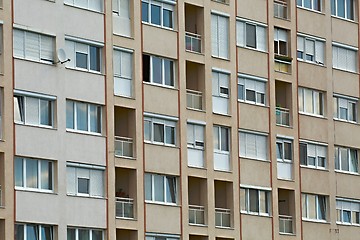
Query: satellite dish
x=61 y=54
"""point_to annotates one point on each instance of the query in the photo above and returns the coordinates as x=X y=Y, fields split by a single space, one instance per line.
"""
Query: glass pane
x=344 y=161
x=253 y=200
x=145 y=11
x=303 y=154
x=156 y=70
x=81 y=60
x=349 y=9
x=170 y=135
x=96 y=235
x=45 y=112
x=250 y=95
x=84 y=234
x=32 y=110
x=95 y=118
x=46 y=175
x=279 y=151
x=81 y=116
x=241 y=92
x=19 y=232
x=224 y=139
x=250 y=35
x=321 y=207
x=341 y=8
x=287 y=151
x=167 y=17
x=307 y=3
x=19 y=169
x=159 y=188
x=353 y=161
x=155 y=14
x=311 y=206
x=46 y=233
x=18 y=109
x=343 y=113
x=70 y=114
x=71 y=234
x=263 y=202
x=159 y=132
x=31 y=173
x=243 y=199
x=32 y=232
x=169 y=72
x=147 y=130
x=311 y=161
x=95 y=58
x=148 y=187
x=171 y=189
x=309 y=101
x=83 y=185
x=346 y=216
x=216 y=138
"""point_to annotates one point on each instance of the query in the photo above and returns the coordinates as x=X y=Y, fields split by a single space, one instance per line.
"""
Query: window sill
x=315 y=221
x=344 y=19
x=314 y=168
x=347 y=224
x=196 y=110
x=344 y=70
x=126 y=157
x=158 y=26
x=252 y=103
x=346 y=172
x=84 y=133
x=255 y=214
x=197 y=168
x=162 y=204
x=123 y=96
x=124 y=36
x=312 y=115
x=34 y=61
x=82 y=8
x=198 y=225
x=35 y=190
x=160 y=85
x=345 y=121
x=194 y=52
x=284 y=19
x=310 y=10
x=255 y=159
x=311 y=63
x=35 y=126
x=85 y=196
x=220 y=58
x=252 y=49
x=285 y=126
x=224 y=3
x=222 y=114
x=287 y=234
x=85 y=71
x=223 y=171
x=160 y=144
x=126 y=219
x=220 y=227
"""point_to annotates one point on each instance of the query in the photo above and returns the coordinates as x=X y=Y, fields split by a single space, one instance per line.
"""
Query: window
x=348 y=211
x=220 y=92
x=310 y=49
x=255 y=201
x=251 y=89
x=313 y=155
x=344 y=58
x=160 y=13
x=33 y=46
x=251 y=35
x=314 y=207
x=346 y=159
x=158 y=70
x=221 y=139
x=157 y=236
x=33 y=232
x=345 y=109
x=82 y=116
x=160 y=188
x=95 y=5
x=85 y=180
x=122 y=63
x=280 y=41
x=310 y=4
x=33 y=109
x=311 y=101
x=160 y=130
x=33 y=173
x=284 y=150
x=220 y=36
x=83 y=56
x=253 y=145
x=84 y=234
x=343 y=9
x=121 y=17
x=195 y=136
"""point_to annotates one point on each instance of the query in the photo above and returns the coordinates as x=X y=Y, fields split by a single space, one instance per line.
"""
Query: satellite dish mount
x=62 y=56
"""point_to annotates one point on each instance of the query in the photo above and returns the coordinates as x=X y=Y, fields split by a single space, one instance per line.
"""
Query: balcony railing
x=222 y=1
x=282 y=66
x=194 y=99
x=286 y=224
x=123 y=147
x=282 y=116
x=280 y=9
x=222 y=217
x=125 y=208
x=196 y=215
x=193 y=42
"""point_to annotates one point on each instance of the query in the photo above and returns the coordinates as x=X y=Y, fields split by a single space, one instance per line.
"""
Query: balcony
x=286 y=224
x=283 y=95
x=282 y=66
x=193 y=42
x=222 y=217
x=282 y=116
x=124 y=208
x=194 y=99
x=286 y=208
x=280 y=9
x=195 y=86
x=196 y=215
x=123 y=147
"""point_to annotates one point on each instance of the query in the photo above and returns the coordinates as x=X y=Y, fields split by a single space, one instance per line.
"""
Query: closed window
x=314 y=207
x=251 y=35
x=255 y=201
x=123 y=74
x=346 y=159
x=311 y=101
x=220 y=36
x=95 y=5
x=158 y=13
x=33 y=109
x=82 y=116
x=83 y=56
x=220 y=92
x=33 y=46
x=121 y=17
x=158 y=70
x=343 y=9
x=160 y=188
x=160 y=130
x=310 y=49
x=280 y=41
x=74 y=233
x=345 y=109
x=221 y=139
x=34 y=173
x=313 y=155
x=253 y=145
x=348 y=211
x=310 y=4
x=85 y=180
x=251 y=89
x=345 y=58
x=195 y=136
x=30 y=231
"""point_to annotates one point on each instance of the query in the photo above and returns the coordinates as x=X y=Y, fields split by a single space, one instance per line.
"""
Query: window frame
x=336 y=47
x=318 y=43
x=73 y=4
x=159 y=236
x=165 y=5
x=334 y=10
x=220 y=141
x=194 y=143
x=312 y=5
x=317 y=155
x=340 y=211
x=82 y=228
x=282 y=141
x=216 y=49
x=256 y=80
x=244 y=34
x=338 y=159
x=277 y=42
x=164 y=189
x=303 y=101
x=121 y=76
x=163 y=71
x=38 y=229
x=337 y=113
x=160 y=120
x=247 y=201
x=305 y=197
x=256 y=135
x=219 y=88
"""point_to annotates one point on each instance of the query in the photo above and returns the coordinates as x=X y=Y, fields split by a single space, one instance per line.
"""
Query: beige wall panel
x=162 y=159
x=344 y=31
x=246 y=60
x=169 y=222
x=256 y=233
x=316 y=231
x=311 y=23
x=345 y=134
x=312 y=76
x=345 y=185
x=252 y=9
x=313 y=128
x=159 y=41
x=255 y=172
x=315 y=181
x=253 y=117
x=348 y=232
x=160 y=100
x=346 y=83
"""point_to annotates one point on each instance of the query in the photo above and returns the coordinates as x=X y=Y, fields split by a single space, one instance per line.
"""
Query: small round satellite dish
x=61 y=55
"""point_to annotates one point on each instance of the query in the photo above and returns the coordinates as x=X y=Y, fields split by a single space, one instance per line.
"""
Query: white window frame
x=219 y=43
x=314 y=96
x=257 y=85
x=334 y=10
x=301 y=4
x=247 y=209
x=317 y=52
x=124 y=55
x=339 y=157
x=88 y=7
x=282 y=141
x=351 y=206
x=278 y=39
x=349 y=102
x=220 y=89
x=257 y=137
x=218 y=128
x=39 y=227
x=160 y=236
x=163 y=80
x=168 y=5
x=304 y=197
x=318 y=148
x=195 y=143
x=166 y=201
x=242 y=34
x=167 y=122
x=351 y=55
x=89 y=229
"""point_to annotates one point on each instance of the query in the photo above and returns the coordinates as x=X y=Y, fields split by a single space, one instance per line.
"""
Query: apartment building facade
x=179 y=119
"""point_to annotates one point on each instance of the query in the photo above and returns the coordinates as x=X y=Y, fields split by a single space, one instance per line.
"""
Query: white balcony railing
x=123 y=147
x=282 y=116
x=124 y=208
x=286 y=224
x=282 y=66
x=193 y=42
x=280 y=9
x=196 y=215
x=222 y=217
x=194 y=99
